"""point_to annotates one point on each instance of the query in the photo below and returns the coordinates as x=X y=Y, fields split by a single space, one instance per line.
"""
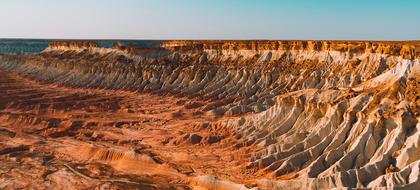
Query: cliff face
x=407 y=50
x=95 y=47
x=404 y=49
x=72 y=45
x=267 y=114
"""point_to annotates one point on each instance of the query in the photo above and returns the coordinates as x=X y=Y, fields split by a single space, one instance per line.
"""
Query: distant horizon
x=358 y=20
x=97 y=39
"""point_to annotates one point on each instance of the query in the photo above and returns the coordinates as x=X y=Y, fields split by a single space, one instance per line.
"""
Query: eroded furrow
x=212 y=115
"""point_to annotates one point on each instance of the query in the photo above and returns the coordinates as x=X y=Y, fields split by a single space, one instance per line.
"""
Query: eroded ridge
x=216 y=114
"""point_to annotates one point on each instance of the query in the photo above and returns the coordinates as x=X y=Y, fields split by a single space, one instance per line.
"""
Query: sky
x=211 y=19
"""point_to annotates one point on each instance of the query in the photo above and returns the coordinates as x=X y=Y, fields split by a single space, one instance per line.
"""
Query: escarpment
x=230 y=114
x=408 y=50
x=72 y=45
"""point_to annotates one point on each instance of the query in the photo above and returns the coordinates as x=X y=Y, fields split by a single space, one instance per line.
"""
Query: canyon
x=210 y=114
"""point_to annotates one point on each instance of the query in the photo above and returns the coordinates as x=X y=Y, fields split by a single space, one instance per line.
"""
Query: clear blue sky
x=211 y=19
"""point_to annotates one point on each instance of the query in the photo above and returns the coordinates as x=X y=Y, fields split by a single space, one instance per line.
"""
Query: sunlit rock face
x=212 y=115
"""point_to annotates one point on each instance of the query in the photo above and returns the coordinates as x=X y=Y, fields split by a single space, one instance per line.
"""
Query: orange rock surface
x=211 y=115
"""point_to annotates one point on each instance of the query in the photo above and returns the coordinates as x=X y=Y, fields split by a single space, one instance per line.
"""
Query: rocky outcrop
x=72 y=45
x=303 y=114
x=405 y=49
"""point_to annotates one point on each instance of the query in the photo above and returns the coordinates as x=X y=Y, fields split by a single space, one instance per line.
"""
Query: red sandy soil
x=68 y=138
x=212 y=115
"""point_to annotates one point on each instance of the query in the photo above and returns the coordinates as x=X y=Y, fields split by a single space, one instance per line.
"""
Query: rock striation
x=260 y=114
x=408 y=50
x=72 y=45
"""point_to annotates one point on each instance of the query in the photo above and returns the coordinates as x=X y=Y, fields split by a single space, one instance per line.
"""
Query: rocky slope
x=215 y=115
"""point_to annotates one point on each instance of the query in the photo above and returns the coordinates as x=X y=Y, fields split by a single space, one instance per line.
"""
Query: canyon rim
x=209 y=95
x=182 y=114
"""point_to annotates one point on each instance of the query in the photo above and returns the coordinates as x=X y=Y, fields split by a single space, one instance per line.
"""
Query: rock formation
x=212 y=115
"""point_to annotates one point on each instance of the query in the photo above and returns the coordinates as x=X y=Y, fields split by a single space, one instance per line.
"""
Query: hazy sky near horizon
x=211 y=19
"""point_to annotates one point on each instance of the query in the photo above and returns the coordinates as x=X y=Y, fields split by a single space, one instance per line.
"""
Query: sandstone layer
x=212 y=115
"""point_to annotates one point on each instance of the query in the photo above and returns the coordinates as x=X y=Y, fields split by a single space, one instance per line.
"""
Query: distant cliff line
x=406 y=49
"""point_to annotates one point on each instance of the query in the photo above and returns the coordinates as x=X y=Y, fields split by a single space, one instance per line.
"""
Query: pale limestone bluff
x=316 y=114
x=72 y=45
x=407 y=50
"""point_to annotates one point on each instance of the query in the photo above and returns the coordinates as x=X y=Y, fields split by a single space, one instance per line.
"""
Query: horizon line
x=208 y=39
